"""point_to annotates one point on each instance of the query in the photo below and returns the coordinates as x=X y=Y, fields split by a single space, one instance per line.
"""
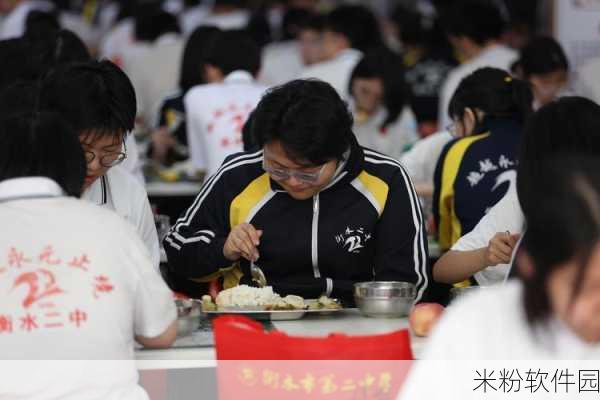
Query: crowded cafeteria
x=299 y=199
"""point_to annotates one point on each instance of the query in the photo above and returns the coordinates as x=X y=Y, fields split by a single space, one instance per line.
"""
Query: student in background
x=475 y=171
x=349 y=31
x=78 y=283
x=475 y=28
x=169 y=141
x=217 y=111
x=486 y=252
x=383 y=120
x=543 y=63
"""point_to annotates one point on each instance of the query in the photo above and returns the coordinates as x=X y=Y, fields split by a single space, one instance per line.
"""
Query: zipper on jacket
x=315 y=237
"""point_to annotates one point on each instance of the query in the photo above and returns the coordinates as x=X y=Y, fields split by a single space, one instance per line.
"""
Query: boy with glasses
x=315 y=210
x=97 y=99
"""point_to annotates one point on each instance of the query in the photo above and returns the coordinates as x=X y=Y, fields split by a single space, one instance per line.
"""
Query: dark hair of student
x=478 y=20
x=409 y=22
x=315 y=22
x=569 y=125
x=540 y=56
x=194 y=55
x=39 y=24
x=41 y=144
x=233 y=50
x=94 y=97
x=567 y=128
x=563 y=226
x=493 y=91
x=293 y=20
x=18 y=98
x=308 y=117
x=17 y=63
x=56 y=48
x=387 y=66
x=151 y=22
x=357 y=24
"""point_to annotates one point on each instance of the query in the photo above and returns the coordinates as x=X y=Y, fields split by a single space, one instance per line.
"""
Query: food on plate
x=324 y=303
x=244 y=297
x=423 y=317
x=248 y=297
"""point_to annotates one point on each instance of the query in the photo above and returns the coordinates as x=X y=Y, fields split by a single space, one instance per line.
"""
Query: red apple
x=423 y=317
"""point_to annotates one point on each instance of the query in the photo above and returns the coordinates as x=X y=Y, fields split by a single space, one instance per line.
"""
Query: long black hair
x=383 y=64
x=194 y=57
x=542 y=55
x=556 y=178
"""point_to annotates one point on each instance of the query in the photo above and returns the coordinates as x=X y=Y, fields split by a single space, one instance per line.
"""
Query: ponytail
x=495 y=92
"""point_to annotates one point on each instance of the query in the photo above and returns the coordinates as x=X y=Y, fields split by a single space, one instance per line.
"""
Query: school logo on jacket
x=353 y=240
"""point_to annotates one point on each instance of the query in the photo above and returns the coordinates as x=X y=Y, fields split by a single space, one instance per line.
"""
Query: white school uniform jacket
x=119 y=191
x=76 y=284
x=215 y=115
x=504 y=216
x=497 y=56
x=336 y=72
x=281 y=62
x=421 y=159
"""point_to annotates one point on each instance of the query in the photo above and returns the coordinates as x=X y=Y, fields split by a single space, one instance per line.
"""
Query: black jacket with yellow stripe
x=366 y=224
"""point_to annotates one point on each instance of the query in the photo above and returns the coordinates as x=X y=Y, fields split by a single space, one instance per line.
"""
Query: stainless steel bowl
x=384 y=299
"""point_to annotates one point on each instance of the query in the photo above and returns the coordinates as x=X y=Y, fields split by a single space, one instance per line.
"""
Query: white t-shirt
x=154 y=73
x=281 y=62
x=421 y=159
x=76 y=284
x=336 y=72
x=118 y=41
x=13 y=25
x=397 y=135
x=487 y=325
x=119 y=191
x=497 y=56
x=506 y=215
x=215 y=115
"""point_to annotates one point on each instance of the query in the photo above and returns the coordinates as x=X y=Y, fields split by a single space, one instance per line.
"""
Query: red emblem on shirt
x=41 y=284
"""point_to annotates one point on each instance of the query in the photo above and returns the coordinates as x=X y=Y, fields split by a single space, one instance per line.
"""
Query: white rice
x=247 y=296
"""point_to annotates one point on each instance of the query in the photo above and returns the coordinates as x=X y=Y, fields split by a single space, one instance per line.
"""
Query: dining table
x=197 y=350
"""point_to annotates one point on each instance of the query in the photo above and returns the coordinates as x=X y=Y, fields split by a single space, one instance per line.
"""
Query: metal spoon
x=258 y=275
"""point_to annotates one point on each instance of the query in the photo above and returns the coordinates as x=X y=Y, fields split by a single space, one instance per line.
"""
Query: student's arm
x=161 y=341
x=457 y=266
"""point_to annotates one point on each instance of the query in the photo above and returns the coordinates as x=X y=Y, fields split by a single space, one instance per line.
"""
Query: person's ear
x=469 y=121
x=525 y=265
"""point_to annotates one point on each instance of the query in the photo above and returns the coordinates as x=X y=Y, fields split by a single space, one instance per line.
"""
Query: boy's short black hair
x=478 y=20
x=41 y=144
x=234 y=50
x=358 y=24
x=308 y=117
x=18 y=98
x=194 y=56
x=94 y=97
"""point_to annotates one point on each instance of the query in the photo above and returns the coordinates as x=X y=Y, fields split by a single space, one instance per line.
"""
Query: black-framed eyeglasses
x=283 y=174
x=108 y=160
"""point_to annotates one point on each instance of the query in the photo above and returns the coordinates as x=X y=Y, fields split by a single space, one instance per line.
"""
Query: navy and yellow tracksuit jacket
x=473 y=173
x=366 y=224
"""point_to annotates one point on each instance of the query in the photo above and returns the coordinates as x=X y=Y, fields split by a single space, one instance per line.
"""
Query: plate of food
x=265 y=304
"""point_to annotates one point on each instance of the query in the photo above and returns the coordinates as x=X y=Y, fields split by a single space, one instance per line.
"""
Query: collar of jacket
x=351 y=168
